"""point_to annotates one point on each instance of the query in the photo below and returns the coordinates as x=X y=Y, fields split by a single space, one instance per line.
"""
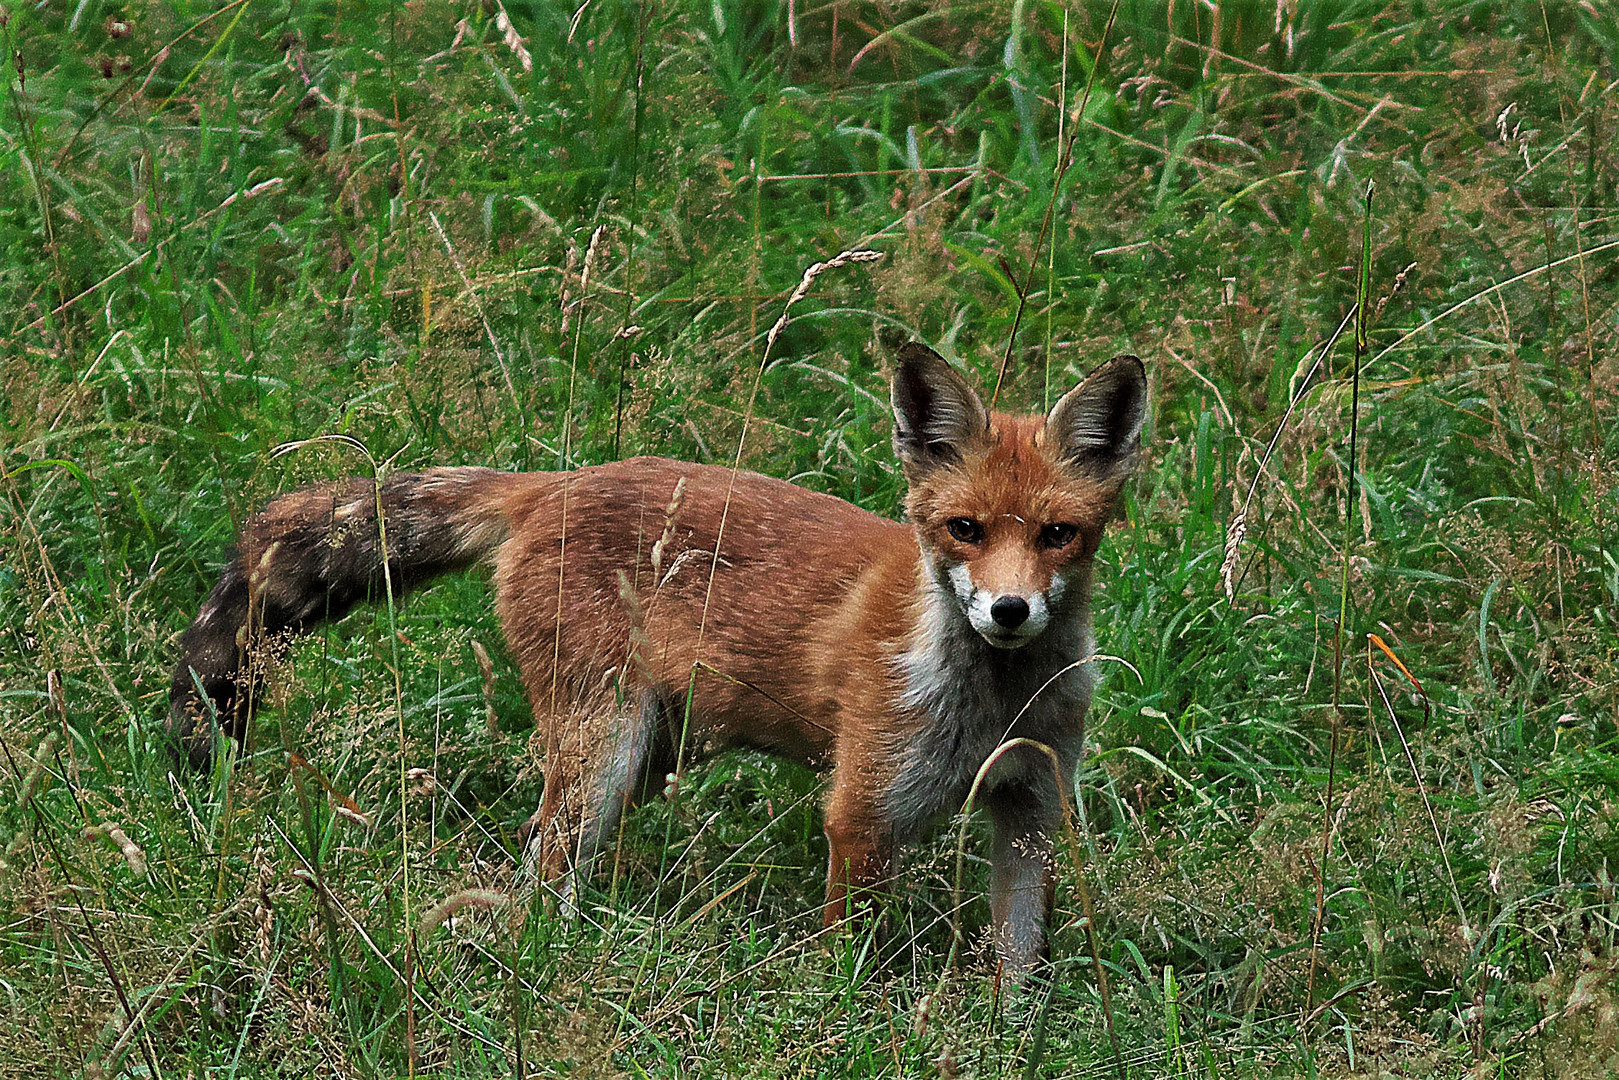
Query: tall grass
x=227 y=229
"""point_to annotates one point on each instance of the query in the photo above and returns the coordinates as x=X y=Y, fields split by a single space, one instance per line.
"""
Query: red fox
x=655 y=605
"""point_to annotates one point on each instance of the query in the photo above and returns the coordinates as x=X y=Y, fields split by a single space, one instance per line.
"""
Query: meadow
x=1351 y=800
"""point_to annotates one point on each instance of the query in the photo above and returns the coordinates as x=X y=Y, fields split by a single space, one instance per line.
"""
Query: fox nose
x=1009 y=611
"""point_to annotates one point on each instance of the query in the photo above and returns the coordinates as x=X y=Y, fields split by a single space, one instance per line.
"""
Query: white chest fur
x=968 y=697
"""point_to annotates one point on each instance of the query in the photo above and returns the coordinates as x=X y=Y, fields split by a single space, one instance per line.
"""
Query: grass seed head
x=841 y=259
x=671 y=520
x=34 y=780
x=475 y=899
x=133 y=855
x=1235 y=533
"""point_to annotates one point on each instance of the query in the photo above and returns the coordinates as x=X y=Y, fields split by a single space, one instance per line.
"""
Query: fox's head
x=1009 y=510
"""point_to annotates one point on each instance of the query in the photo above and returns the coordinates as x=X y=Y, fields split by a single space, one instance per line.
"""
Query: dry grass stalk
x=568 y=267
x=1399 y=283
x=483 y=316
x=1488 y=292
x=486 y=668
x=591 y=251
x=512 y=38
x=584 y=275
x=461 y=29
x=353 y=815
x=263 y=907
x=329 y=907
x=1469 y=934
x=640 y=643
x=133 y=855
x=261 y=570
x=129 y=1026
x=1070 y=835
x=344 y=806
x=140 y=226
x=842 y=258
x=1383 y=646
x=1238 y=529
x=53 y=691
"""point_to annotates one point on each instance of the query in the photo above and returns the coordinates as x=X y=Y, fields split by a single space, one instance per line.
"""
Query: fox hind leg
x=597 y=766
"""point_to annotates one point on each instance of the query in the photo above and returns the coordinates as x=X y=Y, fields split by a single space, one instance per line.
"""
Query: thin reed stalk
x=623 y=339
x=1362 y=292
x=1064 y=162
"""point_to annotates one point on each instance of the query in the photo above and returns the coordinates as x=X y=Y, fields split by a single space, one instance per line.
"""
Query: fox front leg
x=1025 y=878
x=860 y=853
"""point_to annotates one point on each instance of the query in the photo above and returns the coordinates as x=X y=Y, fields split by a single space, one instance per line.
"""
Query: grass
x=1310 y=852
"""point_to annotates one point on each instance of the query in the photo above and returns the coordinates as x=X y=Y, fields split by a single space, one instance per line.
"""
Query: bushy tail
x=310 y=556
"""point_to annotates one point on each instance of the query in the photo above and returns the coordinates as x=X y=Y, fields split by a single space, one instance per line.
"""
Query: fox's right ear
x=936 y=413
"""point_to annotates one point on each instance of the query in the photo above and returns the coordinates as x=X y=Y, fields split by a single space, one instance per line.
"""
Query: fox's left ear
x=1097 y=424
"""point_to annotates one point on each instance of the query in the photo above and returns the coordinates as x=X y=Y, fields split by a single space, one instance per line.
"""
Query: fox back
x=659 y=610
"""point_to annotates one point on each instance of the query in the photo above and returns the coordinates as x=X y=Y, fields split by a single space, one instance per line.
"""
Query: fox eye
x=1059 y=535
x=965 y=530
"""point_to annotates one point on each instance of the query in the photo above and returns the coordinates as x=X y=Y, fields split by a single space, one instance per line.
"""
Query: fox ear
x=1097 y=424
x=936 y=413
